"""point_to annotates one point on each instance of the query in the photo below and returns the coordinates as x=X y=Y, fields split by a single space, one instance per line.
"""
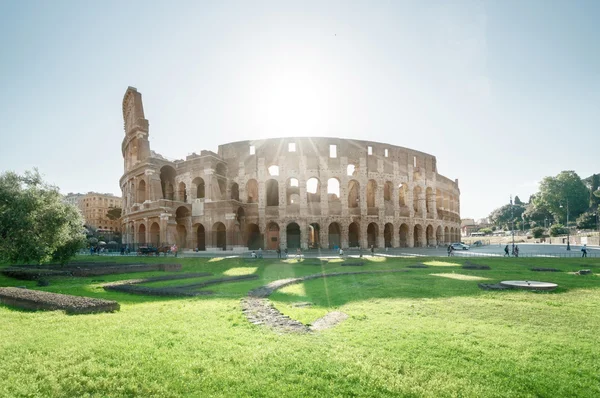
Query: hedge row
x=154 y=291
x=34 y=273
x=38 y=300
x=226 y=279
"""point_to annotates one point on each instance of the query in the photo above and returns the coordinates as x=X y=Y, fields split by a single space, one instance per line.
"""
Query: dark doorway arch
x=272 y=191
x=354 y=235
x=418 y=236
x=235 y=192
x=253 y=237
x=219 y=233
x=403 y=235
x=335 y=235
x=201 y=238
x=293 y=235
x=429 y=235
x=388 y=235
x=372 y=234
x=155 y=234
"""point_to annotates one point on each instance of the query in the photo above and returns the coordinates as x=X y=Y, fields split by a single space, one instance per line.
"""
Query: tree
x=486 y=231
x=114 y=213
x=556 y=191
x=594 y=192
x=35 y=225
x=557 y=230
x=504 y=216
x=538 y=232
x=518 y=201
x=587 y=220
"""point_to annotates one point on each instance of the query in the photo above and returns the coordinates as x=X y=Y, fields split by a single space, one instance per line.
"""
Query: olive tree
x=35 y=225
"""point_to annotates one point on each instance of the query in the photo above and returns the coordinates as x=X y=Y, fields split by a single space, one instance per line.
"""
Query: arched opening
x=292 y=192
x=387 y=191
x=252 y=191
x=181 y=236
x=219 y=188
x=353 y=194
x=403 y=233
x=292 y=232
x=335 y=236
x=438 y=235
x=354 y=235
x=141 y=192
x=182 y=192
x=272 y=191
x=235 y=191
x=372 y=234
x=155 y=234
x=418 y=236
x=240 y=215
x=314 y=235
x=167 y=181
x=313 y=190
x=402 y=195
x=142 y=234
x=272 y=236
x=429 y=235
x=253 y=237
x=220 y=235
x=388 y=235
x=198 y=183
x=371 y=192
x=351 y=170
x=333 y=190
x=201 y=238
x=181 y=213
x=416 y=194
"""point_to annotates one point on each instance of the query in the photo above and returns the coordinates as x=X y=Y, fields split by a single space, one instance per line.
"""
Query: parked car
x=460 y=246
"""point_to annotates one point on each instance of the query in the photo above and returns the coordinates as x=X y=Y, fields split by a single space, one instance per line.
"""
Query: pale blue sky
x=502 y=92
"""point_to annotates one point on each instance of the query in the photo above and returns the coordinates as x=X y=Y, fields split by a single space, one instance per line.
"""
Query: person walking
x=506 y=254
x=584 y=251
x=450 y=250
x=516 y=251
x=372 y=250
x=279 y=252
x=260 y=252
x=285 y=251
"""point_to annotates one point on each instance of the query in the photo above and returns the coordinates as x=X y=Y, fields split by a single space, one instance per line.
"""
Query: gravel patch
x=38 y=300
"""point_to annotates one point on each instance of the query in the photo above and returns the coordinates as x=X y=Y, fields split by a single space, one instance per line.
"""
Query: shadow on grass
x=332 y=291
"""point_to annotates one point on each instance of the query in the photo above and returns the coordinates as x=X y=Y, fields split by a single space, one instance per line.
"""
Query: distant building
x=94 y=207
x=73 y=198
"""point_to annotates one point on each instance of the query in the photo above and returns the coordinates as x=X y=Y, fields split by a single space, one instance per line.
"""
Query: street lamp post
x=512 y=217
x=568 y=230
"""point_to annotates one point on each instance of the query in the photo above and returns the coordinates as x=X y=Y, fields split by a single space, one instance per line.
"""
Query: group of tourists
x=515 y=251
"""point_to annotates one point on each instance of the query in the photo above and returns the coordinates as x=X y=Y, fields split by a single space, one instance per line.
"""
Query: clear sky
x=503 y=93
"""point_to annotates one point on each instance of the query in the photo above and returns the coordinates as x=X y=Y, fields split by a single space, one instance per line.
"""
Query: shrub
x=538 y=232
x=557 y=230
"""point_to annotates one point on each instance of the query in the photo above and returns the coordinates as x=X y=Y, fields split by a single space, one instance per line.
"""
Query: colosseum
x=283 y=192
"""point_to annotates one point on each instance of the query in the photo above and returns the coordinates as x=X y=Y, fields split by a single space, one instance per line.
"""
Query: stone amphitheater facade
x=283 y=192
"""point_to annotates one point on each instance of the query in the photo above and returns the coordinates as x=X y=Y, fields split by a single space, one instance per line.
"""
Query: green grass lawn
x=426 y=332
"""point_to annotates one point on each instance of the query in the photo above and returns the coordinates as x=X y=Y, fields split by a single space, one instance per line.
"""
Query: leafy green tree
x=487 y=231
x=538 y=232
x=594 y=192
x=504 y=216
x=518 y=201
x=556 y=191
x=114 y=213
x=558 y=229
x=35 y=225
x=587 y=220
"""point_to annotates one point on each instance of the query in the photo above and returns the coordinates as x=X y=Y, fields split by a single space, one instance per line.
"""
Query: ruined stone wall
x=285 y=192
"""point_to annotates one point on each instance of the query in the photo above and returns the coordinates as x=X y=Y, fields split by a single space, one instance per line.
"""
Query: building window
x=333 y=151
x=292 y=147
x=385 y=152
x=414 y=161
x=370 y=150
x=252 y=150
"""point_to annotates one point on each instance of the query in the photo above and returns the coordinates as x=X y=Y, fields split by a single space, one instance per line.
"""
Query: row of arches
x=218 y=186
x=251 y=236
